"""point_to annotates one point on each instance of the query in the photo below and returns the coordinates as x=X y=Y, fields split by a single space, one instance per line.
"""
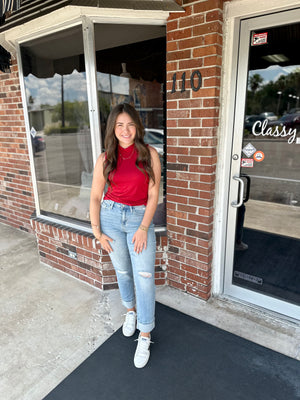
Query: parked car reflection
x=38 y=143
x=269 y=115
x=155 y=137
x=288 y=120
x=250 y=121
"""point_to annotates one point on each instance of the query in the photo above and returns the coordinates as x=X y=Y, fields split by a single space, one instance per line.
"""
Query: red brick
x=190 y=103
x=179 y=34
x=205 y=51
x=189 y=142
x=191 y=21
x=186 y=224
x=208 y=112
x=211 y=71
x=178 y=55
x=212 y=60
x=208 y=92
x=177 y=183
x=200 y=151
x=215 y=15
x=213 y=38
x=172 y=46
x=189 y=122
x=188 y=159
x=179 y=132
x=172 y=25
x=208 y=28
x=178 y=114
x=172 y=66
x=208 y=5
x=190 y=43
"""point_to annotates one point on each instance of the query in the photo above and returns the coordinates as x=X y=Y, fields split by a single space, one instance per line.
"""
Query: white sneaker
x=142 y=352
x=129 y=326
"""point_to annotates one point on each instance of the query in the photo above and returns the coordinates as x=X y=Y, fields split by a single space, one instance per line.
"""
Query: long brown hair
x=111 y=143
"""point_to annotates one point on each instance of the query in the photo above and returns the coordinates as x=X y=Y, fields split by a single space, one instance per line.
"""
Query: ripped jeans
x=135 y=272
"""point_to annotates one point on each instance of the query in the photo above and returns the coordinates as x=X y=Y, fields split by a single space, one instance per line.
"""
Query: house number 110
x=196 y=73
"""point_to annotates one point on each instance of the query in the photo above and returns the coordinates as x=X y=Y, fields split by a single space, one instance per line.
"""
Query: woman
x=124 y=225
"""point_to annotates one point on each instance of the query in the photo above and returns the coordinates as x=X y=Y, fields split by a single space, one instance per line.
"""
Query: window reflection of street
x=275 y=188
x=62 y=185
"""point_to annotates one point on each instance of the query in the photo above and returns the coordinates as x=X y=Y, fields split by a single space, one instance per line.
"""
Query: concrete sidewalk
x=50 y=322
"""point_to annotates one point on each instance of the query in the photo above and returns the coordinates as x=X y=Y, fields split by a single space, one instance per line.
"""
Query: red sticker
x=259 y=156
x=259 y=38
x=247 y=163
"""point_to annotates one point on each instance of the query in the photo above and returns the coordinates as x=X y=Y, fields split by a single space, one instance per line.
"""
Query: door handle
x=241 y=194
x=247 y=177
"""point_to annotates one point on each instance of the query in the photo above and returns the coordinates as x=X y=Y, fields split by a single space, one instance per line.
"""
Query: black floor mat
x=270 y=265
x=190 y=360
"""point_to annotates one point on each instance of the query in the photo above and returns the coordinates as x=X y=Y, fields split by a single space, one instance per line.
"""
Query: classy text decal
x=260 y=128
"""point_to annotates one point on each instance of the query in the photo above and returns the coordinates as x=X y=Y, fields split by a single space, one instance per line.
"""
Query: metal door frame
x=246 y=26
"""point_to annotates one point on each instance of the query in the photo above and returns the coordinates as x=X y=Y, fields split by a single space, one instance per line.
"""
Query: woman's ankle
x=145 y=334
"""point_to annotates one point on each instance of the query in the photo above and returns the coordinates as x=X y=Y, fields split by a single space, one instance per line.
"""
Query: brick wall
x=81 y=256
x=194 y=43
x=16 y=194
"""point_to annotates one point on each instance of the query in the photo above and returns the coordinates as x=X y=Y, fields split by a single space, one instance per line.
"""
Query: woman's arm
x=97 y=190
x=140 y=237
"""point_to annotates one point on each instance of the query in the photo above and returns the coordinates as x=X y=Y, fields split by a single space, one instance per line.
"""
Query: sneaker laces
x=143 y=345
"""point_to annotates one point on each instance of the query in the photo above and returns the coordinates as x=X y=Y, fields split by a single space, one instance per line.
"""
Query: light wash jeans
x=135 y=272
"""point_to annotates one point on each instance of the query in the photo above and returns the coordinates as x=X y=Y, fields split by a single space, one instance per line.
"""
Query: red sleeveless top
x=129 y=185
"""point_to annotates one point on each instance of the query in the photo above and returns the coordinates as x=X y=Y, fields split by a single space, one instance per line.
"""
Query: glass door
x=263 y=234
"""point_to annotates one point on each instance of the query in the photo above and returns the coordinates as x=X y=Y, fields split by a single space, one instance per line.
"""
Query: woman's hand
x=105 y=240
x=140 y=240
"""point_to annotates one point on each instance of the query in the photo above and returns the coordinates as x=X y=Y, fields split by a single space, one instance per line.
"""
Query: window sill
x=82 y=228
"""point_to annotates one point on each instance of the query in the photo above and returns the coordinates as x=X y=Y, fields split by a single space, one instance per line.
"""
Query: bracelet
x=143 y=228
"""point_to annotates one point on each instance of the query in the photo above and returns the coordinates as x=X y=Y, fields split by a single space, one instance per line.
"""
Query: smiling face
x=125 y=130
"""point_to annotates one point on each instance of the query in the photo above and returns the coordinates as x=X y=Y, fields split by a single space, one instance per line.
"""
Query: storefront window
x=56 y=91
x=131 y=68
x=130 y=62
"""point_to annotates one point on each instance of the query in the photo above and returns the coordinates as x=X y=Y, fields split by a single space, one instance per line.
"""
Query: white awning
x=31 y=10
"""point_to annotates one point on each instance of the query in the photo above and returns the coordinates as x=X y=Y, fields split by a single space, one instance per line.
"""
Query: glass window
x=268 y=233
x=56 y=91
x=131 y=68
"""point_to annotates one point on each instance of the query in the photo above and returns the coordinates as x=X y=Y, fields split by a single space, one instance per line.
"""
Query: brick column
x=16 y=193
x=194 y=47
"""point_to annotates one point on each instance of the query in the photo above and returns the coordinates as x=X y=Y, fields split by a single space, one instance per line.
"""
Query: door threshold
x=261 y=311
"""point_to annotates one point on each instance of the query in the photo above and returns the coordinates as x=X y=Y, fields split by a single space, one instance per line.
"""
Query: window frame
x=87 y=24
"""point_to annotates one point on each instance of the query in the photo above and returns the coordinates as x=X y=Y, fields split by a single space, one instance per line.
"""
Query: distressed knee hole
x=122 y=272
x=145 y=274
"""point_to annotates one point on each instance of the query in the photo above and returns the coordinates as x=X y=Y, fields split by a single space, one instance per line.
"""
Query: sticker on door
x=247 y=163
x=259 y=156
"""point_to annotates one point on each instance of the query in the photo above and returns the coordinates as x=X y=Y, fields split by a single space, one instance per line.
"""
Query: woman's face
x=125 y=130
